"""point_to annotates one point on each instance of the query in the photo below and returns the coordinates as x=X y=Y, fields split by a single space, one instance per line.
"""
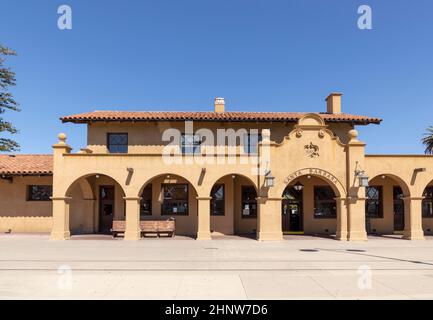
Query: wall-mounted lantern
x=269 y=179
x=362 y=177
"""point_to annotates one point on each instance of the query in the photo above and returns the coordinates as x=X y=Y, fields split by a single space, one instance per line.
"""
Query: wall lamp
x=362 y=176
x=298 y=186
x=269 y=179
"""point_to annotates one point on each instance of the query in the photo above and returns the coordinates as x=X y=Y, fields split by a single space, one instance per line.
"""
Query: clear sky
x=259 y=55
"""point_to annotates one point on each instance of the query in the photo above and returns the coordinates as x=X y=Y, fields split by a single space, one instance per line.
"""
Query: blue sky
x=259 y=55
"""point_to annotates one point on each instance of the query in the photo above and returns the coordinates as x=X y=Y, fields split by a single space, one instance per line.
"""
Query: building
x=219 y=172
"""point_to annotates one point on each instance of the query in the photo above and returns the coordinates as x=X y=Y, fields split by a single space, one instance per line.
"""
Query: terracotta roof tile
x=211 y=116
x=26 y=164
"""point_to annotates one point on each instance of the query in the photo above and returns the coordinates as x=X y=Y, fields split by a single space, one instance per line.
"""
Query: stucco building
x=219 y=173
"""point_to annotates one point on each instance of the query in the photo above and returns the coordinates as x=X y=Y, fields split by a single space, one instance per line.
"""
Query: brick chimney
x=219 y=105
x=333 y=103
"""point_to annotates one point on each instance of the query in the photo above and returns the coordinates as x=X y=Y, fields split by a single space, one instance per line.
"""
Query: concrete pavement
x=33 y=267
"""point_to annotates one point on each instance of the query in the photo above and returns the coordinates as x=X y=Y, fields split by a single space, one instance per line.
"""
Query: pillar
x=355 y=204
x=413 y=219
x=269 y=225
x=356 y=219
x=132 y=229
x=60 y=203
x=203 y=230
x=60 y=229
x=341 y=219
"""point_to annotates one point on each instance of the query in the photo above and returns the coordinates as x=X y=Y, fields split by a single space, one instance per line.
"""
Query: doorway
x=106 y=208
x=292 y=213
x=398 y=206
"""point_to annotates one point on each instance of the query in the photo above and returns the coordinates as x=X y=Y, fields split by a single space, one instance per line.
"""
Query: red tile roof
x=26 y=164
x=212 y=116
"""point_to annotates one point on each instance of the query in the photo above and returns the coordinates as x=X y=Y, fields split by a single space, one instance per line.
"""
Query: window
x=217 y=203
x=427 y=203
x=251 y=142
x=374 y=202
x=175 y=199
x=325 y=205
x=39 y=193
x=117 y=142
x=146 y=201
x=249 y=202
x=190 y=143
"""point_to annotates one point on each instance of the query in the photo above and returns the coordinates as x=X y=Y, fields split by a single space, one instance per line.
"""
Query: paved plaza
x=301 y=267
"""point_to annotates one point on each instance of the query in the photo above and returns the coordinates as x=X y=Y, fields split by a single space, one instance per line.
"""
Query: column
x=132 y=229
x=341 y=219
x=60 y=229
x=413 y=219
x=356 y=219
x=269 y=225
x=203 y=230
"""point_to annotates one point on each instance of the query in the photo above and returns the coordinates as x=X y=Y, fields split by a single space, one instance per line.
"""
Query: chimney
x=333 y=103
x=219 y=105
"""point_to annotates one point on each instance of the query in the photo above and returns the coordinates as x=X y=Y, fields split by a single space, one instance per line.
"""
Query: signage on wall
x=311 y=171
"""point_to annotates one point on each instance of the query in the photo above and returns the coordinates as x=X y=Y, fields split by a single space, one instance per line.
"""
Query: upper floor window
x=251 y=143
x=325 y=205
x=427 y=203
x=117 y=142
x=39 y=193
x=217 y=202
x=373 y=203
x=190 y=143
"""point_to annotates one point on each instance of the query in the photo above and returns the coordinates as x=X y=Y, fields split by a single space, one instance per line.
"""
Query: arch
x=331 y=179
x=299 y=212
x=96 y=201
x=209 y=188
x=311 y=119
x=429 y=184
x=404 y=187
x=161 y=175
x=85 y=186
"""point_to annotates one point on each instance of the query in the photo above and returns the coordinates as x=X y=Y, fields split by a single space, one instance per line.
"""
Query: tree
x=7 y=101
x=428 y=140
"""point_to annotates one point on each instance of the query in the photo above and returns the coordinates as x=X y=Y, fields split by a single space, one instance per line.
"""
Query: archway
x=233 y=206
x=427 y=209
x=96 y=200
x=384 y=205
x=309 y=206
x=170 y=196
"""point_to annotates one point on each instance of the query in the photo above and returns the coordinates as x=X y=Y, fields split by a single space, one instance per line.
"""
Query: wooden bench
x=158 y=227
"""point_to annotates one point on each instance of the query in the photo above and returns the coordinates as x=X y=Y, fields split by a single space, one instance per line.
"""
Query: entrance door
x=106 y=208
x=398 y=209
x=292 y=210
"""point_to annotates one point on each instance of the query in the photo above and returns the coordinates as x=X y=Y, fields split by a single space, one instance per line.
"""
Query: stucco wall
x=19 y=214
x=147 y=137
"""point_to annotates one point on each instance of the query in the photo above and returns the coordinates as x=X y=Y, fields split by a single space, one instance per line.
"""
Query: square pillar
x=132 y=229
x=269 y=225
x=413 y=219
x=341 y=219
x=60 y=229
x=203 y=229
x=356 y=219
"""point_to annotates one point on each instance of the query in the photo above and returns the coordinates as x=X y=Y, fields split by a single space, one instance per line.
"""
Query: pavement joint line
x=212 y=269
